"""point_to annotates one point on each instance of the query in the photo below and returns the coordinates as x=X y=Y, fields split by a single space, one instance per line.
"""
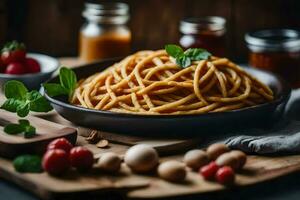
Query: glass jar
x=105 y=33
x=205 y=32
x=276 y=50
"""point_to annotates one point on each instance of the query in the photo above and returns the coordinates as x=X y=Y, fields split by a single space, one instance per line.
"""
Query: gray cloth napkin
x=283 y=138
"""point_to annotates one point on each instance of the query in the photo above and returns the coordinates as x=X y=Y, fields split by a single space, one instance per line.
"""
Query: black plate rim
x=282 y=97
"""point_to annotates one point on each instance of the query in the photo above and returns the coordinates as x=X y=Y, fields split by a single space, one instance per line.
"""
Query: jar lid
x=106 y=12
x=110 y=8
x=195 y=25
x=273 y=40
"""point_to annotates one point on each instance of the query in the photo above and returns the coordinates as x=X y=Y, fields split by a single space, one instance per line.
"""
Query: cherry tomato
x=15 y=68
x=209 y=171
x=60 y=143
x=55 y=161
x=225 y=175
x=32 y=65
x=81 y=158
x=13 y=52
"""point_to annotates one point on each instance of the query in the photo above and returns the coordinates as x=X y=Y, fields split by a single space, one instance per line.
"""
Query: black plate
x=179 y=125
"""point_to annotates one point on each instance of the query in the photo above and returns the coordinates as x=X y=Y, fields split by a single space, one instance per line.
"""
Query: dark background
x=52 y=26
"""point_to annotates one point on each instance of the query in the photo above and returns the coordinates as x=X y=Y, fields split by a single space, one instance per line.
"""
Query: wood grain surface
x=153 y=22
x=148 y=186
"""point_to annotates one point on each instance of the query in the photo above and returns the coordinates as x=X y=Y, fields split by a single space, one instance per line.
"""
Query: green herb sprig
x=67 y=85
x=12 y=46
x=21 y=101
x=22 y=127
x=185 y=58
x=28 y=163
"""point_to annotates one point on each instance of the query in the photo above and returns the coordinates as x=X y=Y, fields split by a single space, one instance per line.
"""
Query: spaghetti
x=150 y=82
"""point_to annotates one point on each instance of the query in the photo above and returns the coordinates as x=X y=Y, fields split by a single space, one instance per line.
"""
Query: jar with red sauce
x=205 y=32
x=105 y=33
x=276 y=50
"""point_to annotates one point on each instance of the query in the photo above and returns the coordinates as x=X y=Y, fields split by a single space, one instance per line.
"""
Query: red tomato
x=209 y=171
x=81 y=158
x=15 y=68
x=55 y=162
x=32 y=65
x=13 y=56
x=225 y=175
x=60 y=143
x=13 y=52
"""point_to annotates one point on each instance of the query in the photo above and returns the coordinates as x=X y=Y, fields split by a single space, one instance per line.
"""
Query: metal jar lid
x=196 y=25
x=273 y=40
x=106 y=12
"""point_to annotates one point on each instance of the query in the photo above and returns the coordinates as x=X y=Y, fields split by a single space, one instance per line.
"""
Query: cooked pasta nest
x=150 y=82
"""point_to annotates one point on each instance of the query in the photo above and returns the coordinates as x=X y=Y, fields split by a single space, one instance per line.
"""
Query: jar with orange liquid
x=105 y=33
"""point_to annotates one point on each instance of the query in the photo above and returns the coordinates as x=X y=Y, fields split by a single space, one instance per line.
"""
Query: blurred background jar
x=105 y=33
x=205 y=32
x=276 y=50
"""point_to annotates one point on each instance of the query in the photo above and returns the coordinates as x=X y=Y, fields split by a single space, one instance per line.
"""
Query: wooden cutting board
x=13 y=145
x=71 y=183
x=48 y=187
x=257 y=169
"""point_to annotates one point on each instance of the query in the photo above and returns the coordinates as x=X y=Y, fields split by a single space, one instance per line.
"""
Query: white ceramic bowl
x=33 y=81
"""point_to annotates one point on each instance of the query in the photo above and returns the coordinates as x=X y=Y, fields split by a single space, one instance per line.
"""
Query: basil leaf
x=12 y=46
x=183 y=61
x=40 y=105
x=23 y=101
x=38 y=102
x=23 y=127
x=24 y=122
x=174 y=50
x=15 y=89
x=29 y=131
x=23 y=110
x=54 y=89
x=33 y=95
x=67 y=79
x=11 y=105
x=13 y=129
x=197 y=54
x=28 y=163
